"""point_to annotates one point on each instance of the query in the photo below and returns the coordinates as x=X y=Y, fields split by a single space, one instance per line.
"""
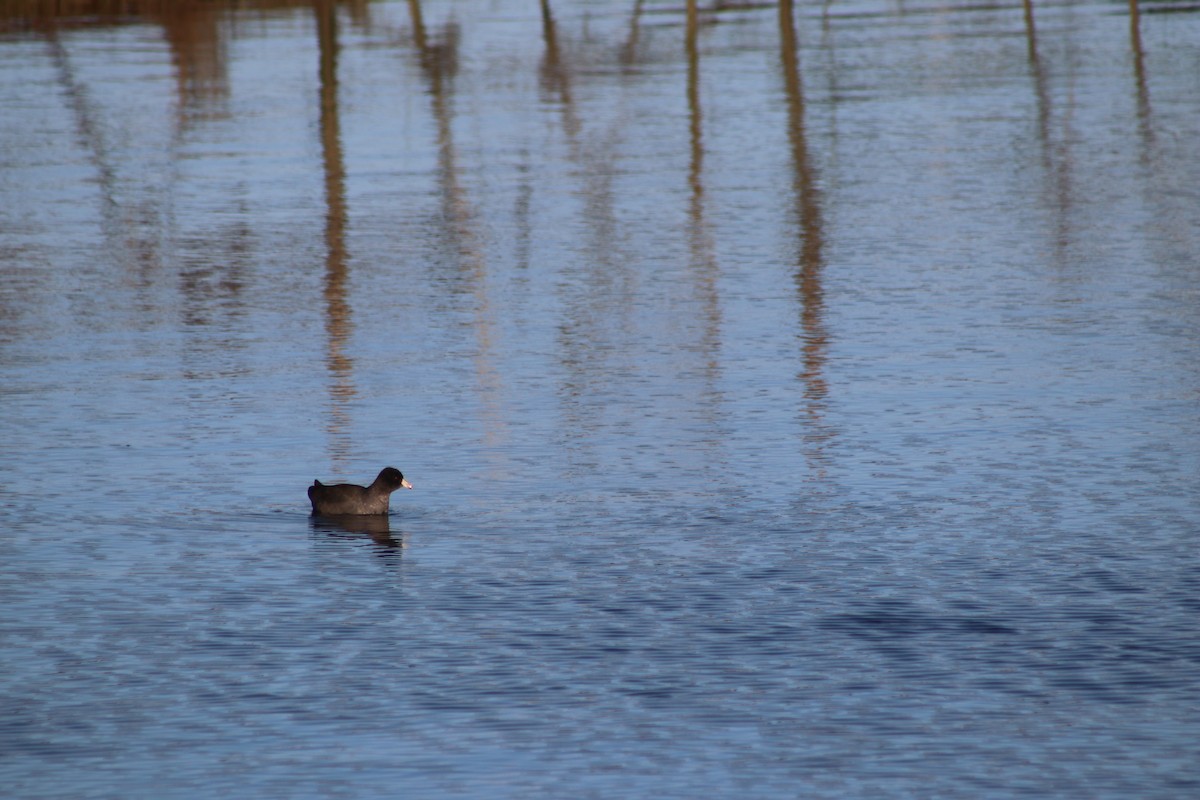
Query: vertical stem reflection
x=438 y=58
x=810 y=256
x=1139 y=73
x=338 y=324
x=1054 y=159
x=704 y=261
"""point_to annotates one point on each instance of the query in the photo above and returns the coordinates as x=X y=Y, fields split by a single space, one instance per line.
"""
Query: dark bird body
x=349 y=498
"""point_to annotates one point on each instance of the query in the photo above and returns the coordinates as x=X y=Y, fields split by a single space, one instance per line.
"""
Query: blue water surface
x=799 y=404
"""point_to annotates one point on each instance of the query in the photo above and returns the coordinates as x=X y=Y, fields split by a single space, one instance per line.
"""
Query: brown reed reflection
x=1173 y=211
x=132 y=220
x=339 y=325
x=1141 y=87
x=91 y=134
x=1036 y=71
x=136 y=196
x=703 y=255
x=810 y=256
x=190 y=27
x=554 y=84
x=695 y=116
x=555 y=77
x=599 y=302
x=576 y=340
x=22 y=15
x=629 y=48
x=1055 y=161
x=198 y=55
x=438 y=59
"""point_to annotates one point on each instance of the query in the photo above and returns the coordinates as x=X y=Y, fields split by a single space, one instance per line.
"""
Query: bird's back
x=345 y=498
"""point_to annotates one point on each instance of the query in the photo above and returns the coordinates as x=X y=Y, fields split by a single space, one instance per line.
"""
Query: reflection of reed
x=810 y=257
x=338 y=323
x=1054 y=163
x=1172 y=210
x=595 y=161
x=132 y=226
x=91 y=133
x=137 y=194
x=1039 y=78
x=108 y=12
x=191 y=29
x=1139 y=75
x=193 y=33
x=629 y=49
x=439 y=62
x=555 y=77
x=703 y=257
x=600 y=299
x=695 y=126
x=438 y=59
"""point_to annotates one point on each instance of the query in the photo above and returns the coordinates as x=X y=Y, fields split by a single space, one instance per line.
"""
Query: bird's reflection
x=355 y=526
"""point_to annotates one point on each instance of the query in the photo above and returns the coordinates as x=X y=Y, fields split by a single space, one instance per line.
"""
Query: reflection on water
x=339 y=325
x=1141 y=87
x=806 y=191
x=803 y=398
x=701 y=248
x=377 y=527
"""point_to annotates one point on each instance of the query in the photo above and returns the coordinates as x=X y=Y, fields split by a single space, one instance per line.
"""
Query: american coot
x=348 y=498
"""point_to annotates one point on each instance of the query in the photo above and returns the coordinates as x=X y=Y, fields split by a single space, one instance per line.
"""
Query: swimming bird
x=349 y=498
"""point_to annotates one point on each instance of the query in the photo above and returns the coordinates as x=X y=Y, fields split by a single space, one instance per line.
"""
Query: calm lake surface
x=800 y=403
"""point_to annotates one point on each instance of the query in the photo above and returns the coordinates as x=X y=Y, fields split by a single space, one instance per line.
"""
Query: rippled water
x=798 y=404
